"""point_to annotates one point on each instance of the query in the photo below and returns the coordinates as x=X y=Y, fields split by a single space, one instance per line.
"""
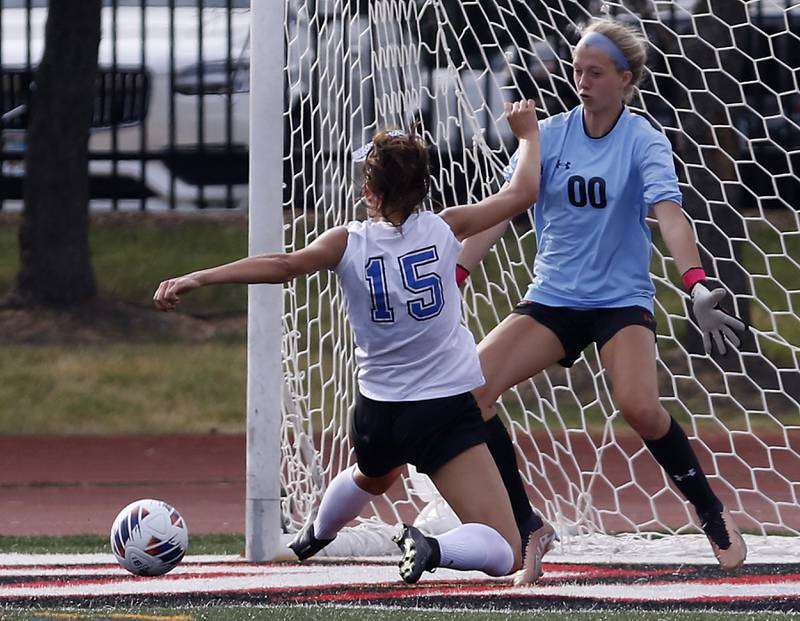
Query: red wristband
x=462 y=273
x=692 y=276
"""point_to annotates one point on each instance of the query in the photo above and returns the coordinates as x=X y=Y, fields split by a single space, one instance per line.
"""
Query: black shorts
x=427 y=434
x=577 y=329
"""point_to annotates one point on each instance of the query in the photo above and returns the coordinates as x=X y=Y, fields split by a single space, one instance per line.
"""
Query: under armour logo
x=565 y=164
x=680 y=478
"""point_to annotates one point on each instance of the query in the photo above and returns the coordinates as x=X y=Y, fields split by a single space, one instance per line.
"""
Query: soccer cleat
x=417 y=553
x=305 y=544
x=539 y=543
x=534 y=523
x=726 y=540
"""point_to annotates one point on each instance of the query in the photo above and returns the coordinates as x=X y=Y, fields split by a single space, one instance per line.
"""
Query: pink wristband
x=692 y=276
x=462 y=273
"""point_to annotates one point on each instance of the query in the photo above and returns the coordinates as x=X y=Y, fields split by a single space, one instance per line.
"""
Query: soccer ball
x=149 y=537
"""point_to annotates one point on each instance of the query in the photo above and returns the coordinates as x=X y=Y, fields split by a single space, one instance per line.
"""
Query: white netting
x=722 y=82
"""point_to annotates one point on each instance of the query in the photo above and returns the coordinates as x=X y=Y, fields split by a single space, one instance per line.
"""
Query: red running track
x=72 y=485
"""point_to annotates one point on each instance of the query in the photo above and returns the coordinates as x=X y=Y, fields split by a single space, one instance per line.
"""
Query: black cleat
x=418 y=554
x=305 y=544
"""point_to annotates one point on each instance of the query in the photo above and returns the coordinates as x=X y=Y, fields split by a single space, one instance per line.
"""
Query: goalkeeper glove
x=715 y=324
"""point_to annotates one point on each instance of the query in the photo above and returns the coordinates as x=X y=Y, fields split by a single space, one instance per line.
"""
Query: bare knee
x=376 y=485
x=646 y=416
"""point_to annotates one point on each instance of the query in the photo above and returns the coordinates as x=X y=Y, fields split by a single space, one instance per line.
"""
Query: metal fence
x=170 y=126
x=171 y=112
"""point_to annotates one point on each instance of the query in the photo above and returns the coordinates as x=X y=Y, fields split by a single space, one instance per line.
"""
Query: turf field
x=377 y=613
x=92 y=586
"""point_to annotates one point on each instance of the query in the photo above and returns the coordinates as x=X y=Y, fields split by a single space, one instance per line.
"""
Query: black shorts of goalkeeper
x=577 y=329
x=427 y=434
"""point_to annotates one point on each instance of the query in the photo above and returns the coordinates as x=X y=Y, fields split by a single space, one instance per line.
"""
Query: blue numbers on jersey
x=429 y=286
x=376 y=277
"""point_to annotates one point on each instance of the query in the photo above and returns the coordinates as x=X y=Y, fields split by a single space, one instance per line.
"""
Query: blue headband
x=362 y=153
x=598 y=39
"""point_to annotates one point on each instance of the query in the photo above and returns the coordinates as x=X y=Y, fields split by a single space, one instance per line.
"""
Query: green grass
x=132 y=253
x=172 y=386
x=123 y=388
x=91 y=544
x=376 y=613
x=129 y=388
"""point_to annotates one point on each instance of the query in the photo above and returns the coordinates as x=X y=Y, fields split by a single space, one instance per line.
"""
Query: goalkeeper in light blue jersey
x=590 y=217
x=604 y=170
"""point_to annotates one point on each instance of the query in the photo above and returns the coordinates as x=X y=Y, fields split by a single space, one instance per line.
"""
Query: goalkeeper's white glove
x=714 y=322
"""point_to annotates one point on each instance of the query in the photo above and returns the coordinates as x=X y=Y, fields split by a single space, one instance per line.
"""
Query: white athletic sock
x=342 y=502
x=476 y=546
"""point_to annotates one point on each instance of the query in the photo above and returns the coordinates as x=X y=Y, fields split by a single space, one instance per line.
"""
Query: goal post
x=264 y=334
x=721 y=84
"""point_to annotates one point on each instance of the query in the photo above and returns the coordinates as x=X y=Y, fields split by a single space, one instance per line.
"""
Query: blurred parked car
x=172 y=106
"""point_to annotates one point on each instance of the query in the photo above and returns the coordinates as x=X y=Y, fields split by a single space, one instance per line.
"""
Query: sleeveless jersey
x=593 y=244
x=405 y=310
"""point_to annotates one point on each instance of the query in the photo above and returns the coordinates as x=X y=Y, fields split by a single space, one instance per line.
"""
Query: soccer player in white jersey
x=417 y=362
x=604 y=169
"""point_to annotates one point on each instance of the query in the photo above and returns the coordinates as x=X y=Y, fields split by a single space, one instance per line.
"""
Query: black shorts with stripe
x=427 y=434
x=577 y=329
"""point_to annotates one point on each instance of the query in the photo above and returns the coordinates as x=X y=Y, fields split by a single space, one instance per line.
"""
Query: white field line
x=259 y=578
x=99 y=575
x=663 y=591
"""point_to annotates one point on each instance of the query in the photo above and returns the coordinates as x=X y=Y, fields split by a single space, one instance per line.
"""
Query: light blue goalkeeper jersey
x=593 y=243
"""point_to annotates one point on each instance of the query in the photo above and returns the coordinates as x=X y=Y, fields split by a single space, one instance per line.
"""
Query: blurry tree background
x=55 y=262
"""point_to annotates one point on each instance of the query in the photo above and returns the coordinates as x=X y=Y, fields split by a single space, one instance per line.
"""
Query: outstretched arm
x=475 y=248
x=325 y=252
x=715 y=324
x=519 y=194
x=678 y=235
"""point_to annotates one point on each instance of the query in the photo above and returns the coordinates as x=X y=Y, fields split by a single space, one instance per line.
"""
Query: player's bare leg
x=487 y=540
x=460 y=478
x=517 y=349
x=630 y=359
x=377 y=485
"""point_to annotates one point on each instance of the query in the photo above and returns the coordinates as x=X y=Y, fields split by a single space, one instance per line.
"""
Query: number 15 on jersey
x=429 y=299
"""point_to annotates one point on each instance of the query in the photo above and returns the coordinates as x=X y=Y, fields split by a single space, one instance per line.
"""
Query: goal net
x=722 y=84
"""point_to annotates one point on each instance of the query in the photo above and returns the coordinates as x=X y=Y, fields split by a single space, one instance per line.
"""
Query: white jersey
x=405 y=309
